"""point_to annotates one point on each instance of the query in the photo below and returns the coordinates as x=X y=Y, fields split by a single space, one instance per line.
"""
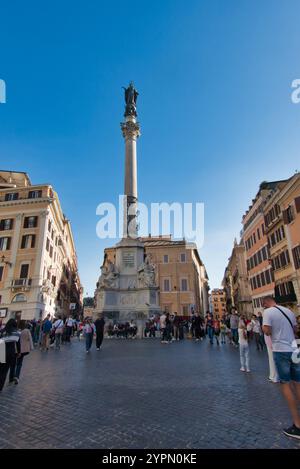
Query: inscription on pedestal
x=128 y=300
x=128 y=259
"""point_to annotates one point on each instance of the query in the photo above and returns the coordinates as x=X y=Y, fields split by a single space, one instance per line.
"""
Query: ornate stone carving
x=109 y=277
x=146 y=273
x=130 y=130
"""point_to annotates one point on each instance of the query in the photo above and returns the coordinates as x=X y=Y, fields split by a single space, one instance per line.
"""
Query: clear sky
x=214 y=79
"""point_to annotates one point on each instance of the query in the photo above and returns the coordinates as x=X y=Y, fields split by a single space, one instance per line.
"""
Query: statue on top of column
x=131 y=95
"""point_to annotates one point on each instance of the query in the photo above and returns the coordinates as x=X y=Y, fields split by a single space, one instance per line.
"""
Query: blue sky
x=214 y=79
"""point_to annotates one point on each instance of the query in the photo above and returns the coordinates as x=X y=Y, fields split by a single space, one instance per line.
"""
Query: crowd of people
x=276 y=330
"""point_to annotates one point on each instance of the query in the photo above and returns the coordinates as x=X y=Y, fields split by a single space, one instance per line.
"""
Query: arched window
x=19 y=298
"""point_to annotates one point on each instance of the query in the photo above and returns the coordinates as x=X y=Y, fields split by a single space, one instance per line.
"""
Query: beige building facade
x=218 y=301
x=282 y=221
x=235 y=282
x=38 y=262
x=255 y=240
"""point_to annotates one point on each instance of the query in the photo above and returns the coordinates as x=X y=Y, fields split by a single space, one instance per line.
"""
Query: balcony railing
x=290 y=298
x=21 y=283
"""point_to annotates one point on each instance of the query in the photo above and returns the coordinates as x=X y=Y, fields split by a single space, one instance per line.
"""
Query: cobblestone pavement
x=142 y=394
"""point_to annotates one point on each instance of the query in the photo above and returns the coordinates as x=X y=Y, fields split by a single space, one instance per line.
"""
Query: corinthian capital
x=130 y=130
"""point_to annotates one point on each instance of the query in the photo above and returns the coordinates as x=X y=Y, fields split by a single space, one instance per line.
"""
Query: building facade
x=38 y=262
x=282 y=221
x=255 y=240
x=180 y=274
x=235 y=282
x=218 y=300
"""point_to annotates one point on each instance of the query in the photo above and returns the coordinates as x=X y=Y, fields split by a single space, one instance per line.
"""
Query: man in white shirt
x=162 y=326
x=69 y=328
x=280 y=323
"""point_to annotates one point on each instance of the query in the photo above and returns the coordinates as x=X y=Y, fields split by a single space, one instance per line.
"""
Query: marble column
x=131 y=132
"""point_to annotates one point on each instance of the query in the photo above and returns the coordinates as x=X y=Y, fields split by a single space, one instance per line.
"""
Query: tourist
x=192 y=321
x=280 y=324
x=69 y=328
x=244 y=345
x=234 y=324
x=217 y=329
x=162 y=325
x=168 y=330
x=37 y=332
x=26 y=346
x=11 y=337
x=116 y=330
x=88 y=331
x=249 y=327
x=210 y=328
x=223 y=330
x=257 y=331
x=79 y=329
x=58 y=328
x=110 y=330
x=46 y=328
x=176 y=321
x=181 y=326
x=147 y=330
x=273 y=375
x=99 y=326
x=132 y=329
x=198 y=327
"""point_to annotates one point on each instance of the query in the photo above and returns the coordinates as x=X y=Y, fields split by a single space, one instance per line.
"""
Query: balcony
x=21 y=284
x=286 y=299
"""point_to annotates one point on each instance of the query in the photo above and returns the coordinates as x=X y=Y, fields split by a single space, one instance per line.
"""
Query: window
x=5 y=244
x=12 y=196
x=52 y=235
x=268 y=277
x=30 y=222
x=34 y=194
x=53 y=280
x=258 y=233
x=182 y=257
x=19 y=298
x=166 y=259
x=167 y=284
x=47 y=244
x=28 y=241
x=296 y=256
x=184 y=284
x=1 y=272
x=49 y=225
x=185 y=310
x=6 y=224
x=24 y=271
x=51 y=251
x=258 y=281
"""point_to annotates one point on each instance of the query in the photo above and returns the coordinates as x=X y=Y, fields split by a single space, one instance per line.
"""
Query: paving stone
x=142 y=394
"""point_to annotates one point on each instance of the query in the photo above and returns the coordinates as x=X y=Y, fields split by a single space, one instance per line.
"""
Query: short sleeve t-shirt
x=282 y=332
x=242 y=338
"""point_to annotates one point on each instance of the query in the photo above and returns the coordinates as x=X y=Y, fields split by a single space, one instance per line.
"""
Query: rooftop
x=13 y=179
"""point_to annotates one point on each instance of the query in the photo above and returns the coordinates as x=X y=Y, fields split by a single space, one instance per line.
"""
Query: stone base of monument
x=126 y=305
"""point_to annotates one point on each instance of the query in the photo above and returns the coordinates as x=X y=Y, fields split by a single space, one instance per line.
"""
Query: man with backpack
x=46 y=329
x=58 y=327
x=280 y=324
